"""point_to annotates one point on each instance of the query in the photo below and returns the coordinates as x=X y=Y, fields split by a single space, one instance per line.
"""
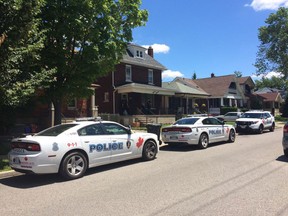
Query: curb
x=7 y=174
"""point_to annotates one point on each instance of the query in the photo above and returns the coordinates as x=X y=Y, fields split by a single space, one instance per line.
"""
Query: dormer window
x=139 y=54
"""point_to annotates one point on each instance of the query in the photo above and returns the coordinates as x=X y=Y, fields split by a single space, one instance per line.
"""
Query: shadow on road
x=26 y=181
x=282 y=158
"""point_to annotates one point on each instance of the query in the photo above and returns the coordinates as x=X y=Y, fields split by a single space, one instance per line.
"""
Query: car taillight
x=26 y=146
x=177 y=129
x=285 y=128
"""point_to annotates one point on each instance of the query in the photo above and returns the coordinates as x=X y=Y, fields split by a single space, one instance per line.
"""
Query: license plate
x=173 y=137
x=19 y=150
x=243 y=126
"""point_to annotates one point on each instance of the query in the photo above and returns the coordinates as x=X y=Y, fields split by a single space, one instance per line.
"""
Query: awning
x=144 y=89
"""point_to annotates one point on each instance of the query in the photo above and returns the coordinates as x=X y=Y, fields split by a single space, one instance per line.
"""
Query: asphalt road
x=248 y=177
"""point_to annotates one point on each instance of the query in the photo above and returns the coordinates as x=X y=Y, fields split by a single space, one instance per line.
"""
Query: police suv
x=255 y=121
x=69 y=149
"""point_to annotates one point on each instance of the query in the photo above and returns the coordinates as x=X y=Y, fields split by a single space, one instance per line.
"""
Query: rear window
x=56 y=130
x=186 y=121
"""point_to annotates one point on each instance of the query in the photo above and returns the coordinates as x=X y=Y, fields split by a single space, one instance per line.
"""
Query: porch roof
x=181 y=88
x=144 y=89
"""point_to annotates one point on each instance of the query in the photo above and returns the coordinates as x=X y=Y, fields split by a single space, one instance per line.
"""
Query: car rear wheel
x=203 y=141
x=232 y=136
x=272 y=127
x=149 y=150
x=73 y=166
x=286 y=152
x=260 y=130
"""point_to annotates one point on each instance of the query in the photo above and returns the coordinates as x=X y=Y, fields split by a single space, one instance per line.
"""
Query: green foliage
x=20 y=43
x=224 y=110
x=4 y=165
x=273 y=50
x=273 y=82
x=84 y=41
x=238 y=73
x=194 y=76
x=256 y=103
x=284 y=107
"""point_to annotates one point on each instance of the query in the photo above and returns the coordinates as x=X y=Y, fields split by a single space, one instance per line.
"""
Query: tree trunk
x=58 y=111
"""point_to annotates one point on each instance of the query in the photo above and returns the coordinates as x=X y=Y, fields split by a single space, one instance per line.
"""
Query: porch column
x=92 y=105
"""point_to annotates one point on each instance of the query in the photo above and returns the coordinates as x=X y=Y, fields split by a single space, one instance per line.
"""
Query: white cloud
x=268 y=75
x=259 y=5
x=170 y=75
x=158 y=48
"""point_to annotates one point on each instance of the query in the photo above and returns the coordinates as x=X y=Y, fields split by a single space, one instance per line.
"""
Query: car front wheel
x=203 y=141
x=73 y=166
x=149 y=150
x=260 y=130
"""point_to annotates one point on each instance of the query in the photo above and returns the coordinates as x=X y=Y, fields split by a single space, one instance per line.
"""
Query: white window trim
x=150 y=78
x=106 y=96
x=74 y=106
x=128 y=79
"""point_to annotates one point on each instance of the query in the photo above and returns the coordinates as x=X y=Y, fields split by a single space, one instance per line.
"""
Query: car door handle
x=86 y=141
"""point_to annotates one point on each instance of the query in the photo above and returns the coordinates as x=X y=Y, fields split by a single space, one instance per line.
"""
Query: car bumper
x=247 y=128
x=32 y=164
x=180 y=139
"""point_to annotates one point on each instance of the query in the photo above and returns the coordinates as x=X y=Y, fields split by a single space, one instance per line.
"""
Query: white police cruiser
x=69 y=149
x=198 y=131
x=255 y=121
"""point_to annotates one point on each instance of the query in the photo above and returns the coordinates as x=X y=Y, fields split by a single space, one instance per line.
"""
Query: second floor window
x=150 y=76
x=128 y=73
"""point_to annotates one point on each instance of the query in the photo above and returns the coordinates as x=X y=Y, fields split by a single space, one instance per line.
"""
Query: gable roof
x=146 y=61
x=271 y=96
x=215 y=86
x=246 y=80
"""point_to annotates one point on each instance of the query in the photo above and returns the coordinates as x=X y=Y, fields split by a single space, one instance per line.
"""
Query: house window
x=150 y=76
x=72 y=104
x=128 y=73
x=139 y=54
x=106 y=97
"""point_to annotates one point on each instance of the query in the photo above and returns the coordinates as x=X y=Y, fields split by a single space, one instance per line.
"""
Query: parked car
x=285 y=139
x=255 y=121
x=199 y=131
x=229 y=116
x=69 y=149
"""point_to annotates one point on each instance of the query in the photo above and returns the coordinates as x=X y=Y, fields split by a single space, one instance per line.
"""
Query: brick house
x=135 y=86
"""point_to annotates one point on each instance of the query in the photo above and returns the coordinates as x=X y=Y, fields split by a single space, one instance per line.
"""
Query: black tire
x=260 y=129
x=73 y=166
x=232 y=136
x=203 y=141
x=149 y=150
x=272 y=127
x=285 y=152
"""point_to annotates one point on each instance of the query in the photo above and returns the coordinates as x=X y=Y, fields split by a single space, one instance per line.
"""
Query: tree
x=273 y=82
x=84 y=40
x=238 y=73
x=273 y=49
x=194 y=76
x=20 y=43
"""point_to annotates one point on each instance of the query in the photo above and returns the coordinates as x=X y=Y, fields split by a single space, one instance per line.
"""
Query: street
x=248 y=177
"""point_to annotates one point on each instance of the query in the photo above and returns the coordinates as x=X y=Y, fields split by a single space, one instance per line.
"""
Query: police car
x=255 y=121
x=198 y=131
x=71 y=148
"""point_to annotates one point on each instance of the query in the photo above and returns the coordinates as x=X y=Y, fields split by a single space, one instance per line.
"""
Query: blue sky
x=216 y=36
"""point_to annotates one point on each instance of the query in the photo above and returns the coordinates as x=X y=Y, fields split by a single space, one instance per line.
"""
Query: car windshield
x=56 y=130
x=186 y=121
x=251 y=115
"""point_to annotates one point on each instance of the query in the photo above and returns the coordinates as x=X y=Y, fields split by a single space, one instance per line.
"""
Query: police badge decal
x=128 y=144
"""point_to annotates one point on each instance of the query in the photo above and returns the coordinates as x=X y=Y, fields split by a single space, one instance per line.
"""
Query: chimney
x=212 y=75
x=150 y=52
